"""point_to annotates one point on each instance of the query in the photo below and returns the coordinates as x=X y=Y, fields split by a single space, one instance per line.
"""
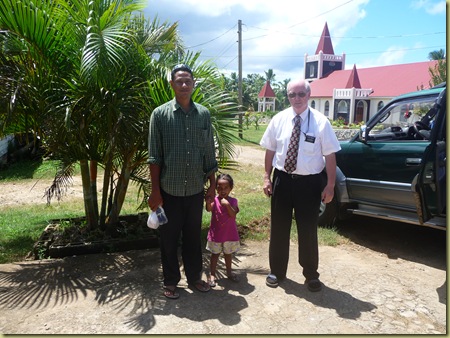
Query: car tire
x=328 y=213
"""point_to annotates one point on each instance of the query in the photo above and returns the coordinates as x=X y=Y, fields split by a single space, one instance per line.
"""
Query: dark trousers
x=184 y=216
x=302 y=195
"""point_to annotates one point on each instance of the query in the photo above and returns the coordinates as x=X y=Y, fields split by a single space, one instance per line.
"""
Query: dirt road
x=365 y=292
x=390 y=279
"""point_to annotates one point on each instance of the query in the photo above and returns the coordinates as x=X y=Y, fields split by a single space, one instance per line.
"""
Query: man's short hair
x=181 y=67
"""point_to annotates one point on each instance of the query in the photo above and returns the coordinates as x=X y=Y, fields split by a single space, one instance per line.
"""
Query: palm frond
x=62 y=180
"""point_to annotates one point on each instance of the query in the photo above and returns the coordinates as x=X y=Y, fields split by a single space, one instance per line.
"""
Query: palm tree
x=438 y=73
x=84 y=76
x=281 y=93
x=270 y=76
x=437 y=55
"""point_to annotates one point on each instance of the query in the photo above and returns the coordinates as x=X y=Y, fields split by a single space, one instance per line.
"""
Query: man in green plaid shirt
x=181 y=158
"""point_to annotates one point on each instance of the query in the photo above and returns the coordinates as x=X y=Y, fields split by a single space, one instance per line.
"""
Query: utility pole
x=240 y=76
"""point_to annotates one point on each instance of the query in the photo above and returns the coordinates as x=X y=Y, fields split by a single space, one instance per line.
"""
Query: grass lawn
x=251 y=135
x=21 y=226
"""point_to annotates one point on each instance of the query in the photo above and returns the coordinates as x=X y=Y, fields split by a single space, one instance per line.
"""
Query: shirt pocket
x=310 y=148
x=200 y=137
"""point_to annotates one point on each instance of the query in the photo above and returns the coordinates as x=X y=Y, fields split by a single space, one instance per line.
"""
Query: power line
x=360 y=37
x=299 y=23
x=394 y=50
x=362 y=53
x=204 y=43
x=226 y=65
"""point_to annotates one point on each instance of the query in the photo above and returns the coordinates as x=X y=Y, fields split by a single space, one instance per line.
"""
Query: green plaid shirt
x=182 y=144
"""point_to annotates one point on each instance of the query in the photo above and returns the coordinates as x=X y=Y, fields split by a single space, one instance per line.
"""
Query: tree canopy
x=83 y=77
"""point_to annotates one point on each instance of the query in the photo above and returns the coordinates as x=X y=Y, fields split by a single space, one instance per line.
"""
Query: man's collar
x=177 y=106
x=303 y=114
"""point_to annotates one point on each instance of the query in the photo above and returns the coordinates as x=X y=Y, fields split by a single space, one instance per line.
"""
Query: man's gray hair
x=307 y=86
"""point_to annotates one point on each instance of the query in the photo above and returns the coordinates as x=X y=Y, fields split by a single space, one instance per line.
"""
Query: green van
x=395 y=168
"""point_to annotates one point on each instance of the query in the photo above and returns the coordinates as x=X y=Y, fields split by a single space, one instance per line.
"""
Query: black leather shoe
x=314 y=285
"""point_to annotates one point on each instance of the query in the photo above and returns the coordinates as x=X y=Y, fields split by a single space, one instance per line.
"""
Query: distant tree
x=438 y=73
x=230 y=85
x=437 y=54
x=270 y=76
x=280 y=89
x=251 y=86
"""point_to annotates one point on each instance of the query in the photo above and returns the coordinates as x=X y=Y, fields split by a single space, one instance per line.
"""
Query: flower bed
x=68 y=237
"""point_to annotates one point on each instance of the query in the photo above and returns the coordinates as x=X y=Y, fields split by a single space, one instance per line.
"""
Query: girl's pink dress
x=223 y=228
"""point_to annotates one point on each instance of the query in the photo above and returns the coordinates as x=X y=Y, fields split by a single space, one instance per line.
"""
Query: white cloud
x=391 y=56
x=277 y=34
x=431 y=7
x=212 y=8
x=437 y=8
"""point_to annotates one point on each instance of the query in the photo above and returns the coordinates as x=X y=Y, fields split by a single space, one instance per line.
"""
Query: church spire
x=325 y=44
x=353 y=80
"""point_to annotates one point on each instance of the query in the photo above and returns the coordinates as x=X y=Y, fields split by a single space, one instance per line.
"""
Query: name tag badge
x=310 y=139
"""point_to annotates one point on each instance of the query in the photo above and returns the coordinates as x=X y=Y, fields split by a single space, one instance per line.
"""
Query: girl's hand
x=224 y=202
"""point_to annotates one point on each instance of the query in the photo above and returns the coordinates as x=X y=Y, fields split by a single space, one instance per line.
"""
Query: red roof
x=386 y=81
x=325 y=44
x=266 y=91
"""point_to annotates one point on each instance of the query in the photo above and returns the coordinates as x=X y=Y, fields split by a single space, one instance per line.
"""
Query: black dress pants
x=184 y=216
x=301 y=194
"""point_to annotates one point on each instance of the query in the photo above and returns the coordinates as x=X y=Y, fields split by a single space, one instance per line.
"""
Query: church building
x=357 y=94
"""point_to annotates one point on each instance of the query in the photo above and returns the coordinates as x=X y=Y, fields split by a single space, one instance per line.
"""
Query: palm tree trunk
x=106 y=181
x=93 y=165
x=120 y=192
x=89 y=206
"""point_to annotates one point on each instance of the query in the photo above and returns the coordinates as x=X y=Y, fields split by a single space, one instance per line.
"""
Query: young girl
x=223 y=235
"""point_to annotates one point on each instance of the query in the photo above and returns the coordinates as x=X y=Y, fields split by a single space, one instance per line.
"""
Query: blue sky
x=277 y=34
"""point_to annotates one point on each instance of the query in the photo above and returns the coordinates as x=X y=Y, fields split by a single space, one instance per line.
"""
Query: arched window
x=342 y=107
x=343 y=110
x=313 y=104
x=327 y=108
x=380 y=105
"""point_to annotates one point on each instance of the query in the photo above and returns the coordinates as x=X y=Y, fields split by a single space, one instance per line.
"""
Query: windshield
x=401 y=117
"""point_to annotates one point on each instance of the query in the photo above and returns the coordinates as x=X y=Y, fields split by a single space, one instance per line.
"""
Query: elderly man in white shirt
x=297 y=151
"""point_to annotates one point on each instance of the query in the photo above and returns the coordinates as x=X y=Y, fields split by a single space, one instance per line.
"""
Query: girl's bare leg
x=212 y=268
x=230 y=274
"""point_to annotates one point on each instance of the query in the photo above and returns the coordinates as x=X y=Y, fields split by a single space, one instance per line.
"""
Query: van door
x=430 y=183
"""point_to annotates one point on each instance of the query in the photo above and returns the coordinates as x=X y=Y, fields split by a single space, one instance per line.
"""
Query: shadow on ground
x=398 y=240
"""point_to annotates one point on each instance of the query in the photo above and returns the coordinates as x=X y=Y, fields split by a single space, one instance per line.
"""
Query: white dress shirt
x=315 y=127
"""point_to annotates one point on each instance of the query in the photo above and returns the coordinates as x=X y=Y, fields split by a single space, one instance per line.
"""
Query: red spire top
x=266 y=91
x=353 y=80
x=325 y=44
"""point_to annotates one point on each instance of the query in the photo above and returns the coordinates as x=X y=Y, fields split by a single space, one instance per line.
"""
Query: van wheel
x=328 y=213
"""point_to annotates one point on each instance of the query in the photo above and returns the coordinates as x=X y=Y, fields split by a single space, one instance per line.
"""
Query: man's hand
x=210 y=193
x=267 y=187
x=327 y=194
x=155 y=200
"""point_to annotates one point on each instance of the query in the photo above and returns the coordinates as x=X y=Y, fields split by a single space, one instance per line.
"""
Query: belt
x=293 y=176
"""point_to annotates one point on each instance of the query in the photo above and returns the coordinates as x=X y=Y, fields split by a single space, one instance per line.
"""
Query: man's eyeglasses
x=181 y=82
x=292 y=95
